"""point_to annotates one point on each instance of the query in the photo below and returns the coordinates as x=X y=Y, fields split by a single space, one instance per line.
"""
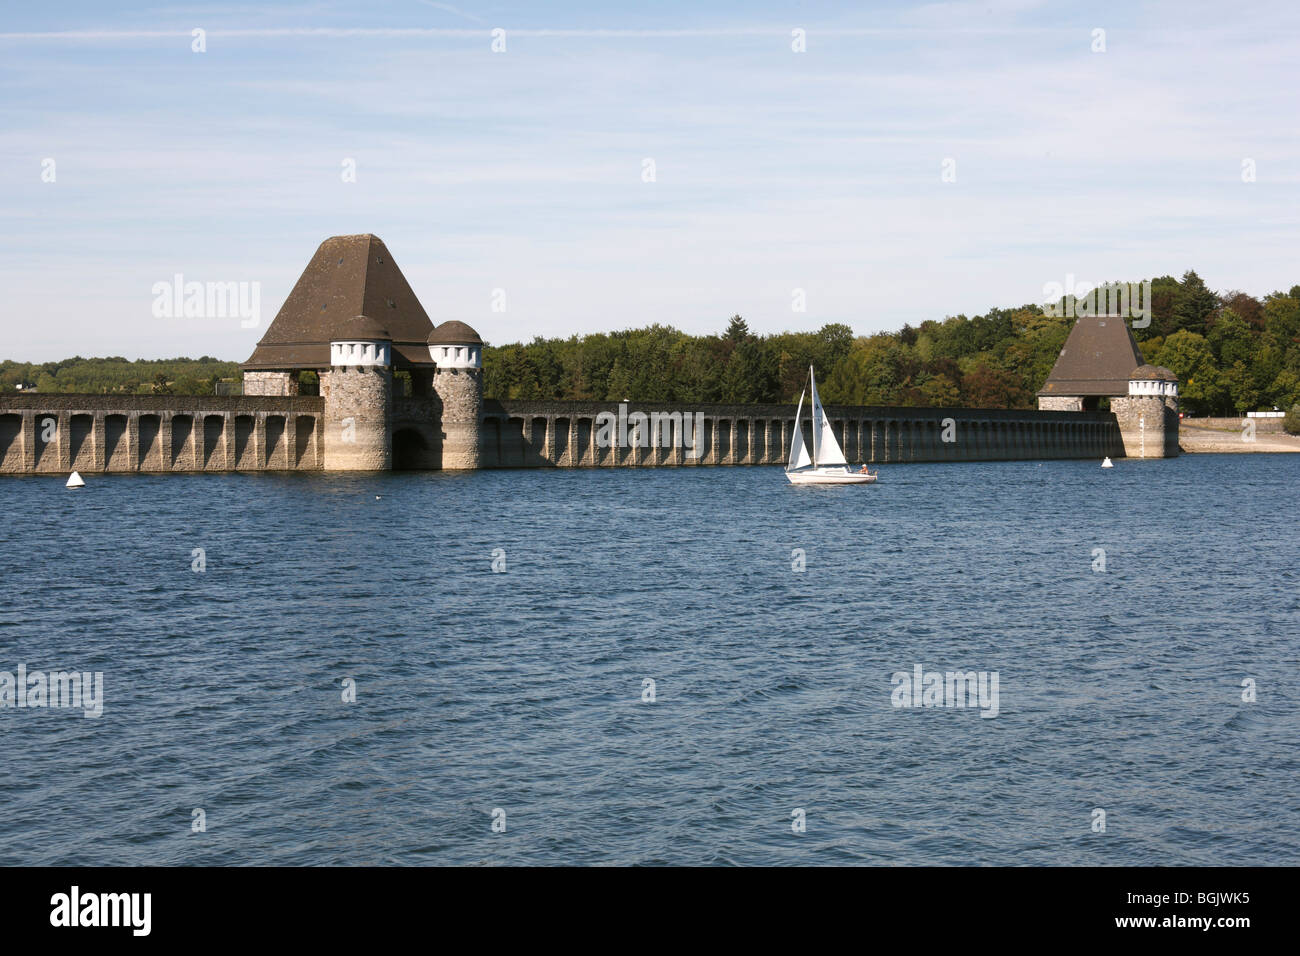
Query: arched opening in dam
x=11 y=450
x=410 y=451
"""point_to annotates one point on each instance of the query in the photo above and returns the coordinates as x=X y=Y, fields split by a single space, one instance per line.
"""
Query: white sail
x=826 y=450
x=798 y=450
x=828 y=464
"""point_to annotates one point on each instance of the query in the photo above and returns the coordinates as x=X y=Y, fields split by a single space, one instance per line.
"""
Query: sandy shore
x=1194 y=438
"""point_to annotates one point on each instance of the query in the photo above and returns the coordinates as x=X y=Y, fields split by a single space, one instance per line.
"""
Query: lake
x=505 y=716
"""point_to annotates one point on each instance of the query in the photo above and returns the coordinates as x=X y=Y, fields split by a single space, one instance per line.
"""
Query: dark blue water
x=522 y=690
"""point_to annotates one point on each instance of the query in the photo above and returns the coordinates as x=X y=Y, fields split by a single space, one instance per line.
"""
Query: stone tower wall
x=460 y=397
x=1060 y=403
x=358 y=409
x=1148 y=425
x=270 y=383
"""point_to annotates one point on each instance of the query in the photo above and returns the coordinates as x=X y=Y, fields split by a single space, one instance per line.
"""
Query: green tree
x=1194 y=304
x=1230 y=338
x=1285 y=389
x=940 y=391
x=737 y=330
x=1189 y=356
x=986 y=387
x=1239 y=389
x=1291 y=422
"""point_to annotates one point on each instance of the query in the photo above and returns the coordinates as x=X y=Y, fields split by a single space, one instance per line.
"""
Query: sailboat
x=827 y=465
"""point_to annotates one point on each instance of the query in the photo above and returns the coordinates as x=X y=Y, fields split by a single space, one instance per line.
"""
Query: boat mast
x=815 y=405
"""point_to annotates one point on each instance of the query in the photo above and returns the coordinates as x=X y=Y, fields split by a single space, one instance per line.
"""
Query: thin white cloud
x=448 y=8
x=819 y=171
x=781 y=32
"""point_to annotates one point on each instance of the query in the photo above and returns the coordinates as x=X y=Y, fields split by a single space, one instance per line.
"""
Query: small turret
x=1155 y=380
x=458 y=384
x=1148 y=414
x=455 y=345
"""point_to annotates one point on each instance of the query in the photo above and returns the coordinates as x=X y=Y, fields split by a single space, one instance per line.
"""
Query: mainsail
x=826 y=450
x=798 y=450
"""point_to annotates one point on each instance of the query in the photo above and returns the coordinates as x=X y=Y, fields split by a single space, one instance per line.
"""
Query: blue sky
x=522 y=170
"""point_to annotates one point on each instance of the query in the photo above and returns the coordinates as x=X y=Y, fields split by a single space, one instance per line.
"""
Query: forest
x=1233 y=353
x=97 y=376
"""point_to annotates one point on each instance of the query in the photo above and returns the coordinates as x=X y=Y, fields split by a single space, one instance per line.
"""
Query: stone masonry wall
x=270 y=383
x=56 y=433
x=214 y=433
x=530 y=434
x=358 y=404
x=460 y=395
x=1060 y=403
x=1263 y=426
x=1148 y=426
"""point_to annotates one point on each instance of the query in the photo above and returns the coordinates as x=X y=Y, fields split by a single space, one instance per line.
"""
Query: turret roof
x=454 y=333
x=1152 y=373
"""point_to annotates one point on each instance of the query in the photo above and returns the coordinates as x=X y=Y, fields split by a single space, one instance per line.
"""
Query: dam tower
x=1148 y=414
x=1101 y=363
x=358 y=393
x=457 y=351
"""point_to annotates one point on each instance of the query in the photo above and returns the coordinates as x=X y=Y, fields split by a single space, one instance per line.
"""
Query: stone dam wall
x=54 y=433
x=525 y=434
x=45 y=434
x=1263 y=426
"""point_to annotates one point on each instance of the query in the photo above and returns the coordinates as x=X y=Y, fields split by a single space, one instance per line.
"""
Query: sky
x=625 y=164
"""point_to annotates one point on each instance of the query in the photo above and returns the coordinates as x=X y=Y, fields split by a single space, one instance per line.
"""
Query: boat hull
x=829 y=477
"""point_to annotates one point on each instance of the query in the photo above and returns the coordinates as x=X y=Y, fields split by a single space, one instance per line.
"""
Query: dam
x=353 y=376
x=52 y=434
x=562 y=434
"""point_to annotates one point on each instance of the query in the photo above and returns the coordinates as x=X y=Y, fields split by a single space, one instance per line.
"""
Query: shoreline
x=1194 y=439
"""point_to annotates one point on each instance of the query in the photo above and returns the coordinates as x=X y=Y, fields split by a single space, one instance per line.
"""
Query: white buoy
x=1107 y=464
x=74 y=480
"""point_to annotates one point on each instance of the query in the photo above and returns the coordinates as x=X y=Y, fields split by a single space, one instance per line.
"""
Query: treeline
x=99 y=376
x=1232 y=352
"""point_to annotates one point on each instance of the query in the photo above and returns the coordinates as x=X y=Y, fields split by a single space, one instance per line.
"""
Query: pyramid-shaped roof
x=349 y=276
x=1099 y=356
